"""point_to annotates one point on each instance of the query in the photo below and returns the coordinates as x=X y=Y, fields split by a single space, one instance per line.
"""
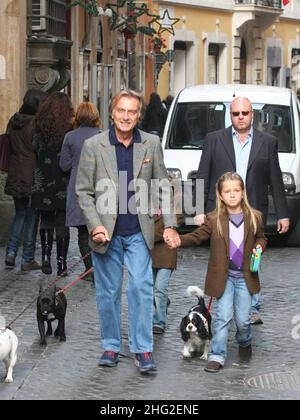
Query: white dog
x=8 y=351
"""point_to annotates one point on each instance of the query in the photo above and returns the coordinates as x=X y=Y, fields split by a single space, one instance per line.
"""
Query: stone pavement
x=69 y=371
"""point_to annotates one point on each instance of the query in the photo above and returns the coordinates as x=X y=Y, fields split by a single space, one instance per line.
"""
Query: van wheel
x=293 y=238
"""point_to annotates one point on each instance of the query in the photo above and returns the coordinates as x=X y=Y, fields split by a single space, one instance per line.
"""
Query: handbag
x=4 y=152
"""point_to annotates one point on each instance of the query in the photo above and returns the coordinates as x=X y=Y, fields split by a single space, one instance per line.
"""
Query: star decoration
x=126 y=23
x=166 y=23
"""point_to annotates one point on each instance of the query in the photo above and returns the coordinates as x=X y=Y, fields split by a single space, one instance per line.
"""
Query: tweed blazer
x=97 y=184
x=218 y=264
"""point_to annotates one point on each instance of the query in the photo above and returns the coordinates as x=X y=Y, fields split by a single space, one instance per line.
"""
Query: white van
x=198 y=110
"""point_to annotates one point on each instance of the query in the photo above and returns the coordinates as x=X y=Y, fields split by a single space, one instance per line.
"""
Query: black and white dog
x=195 y=327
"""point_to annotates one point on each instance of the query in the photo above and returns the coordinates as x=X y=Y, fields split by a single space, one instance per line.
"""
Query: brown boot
x=245 y=353
x=30 y=265
x=213 y=366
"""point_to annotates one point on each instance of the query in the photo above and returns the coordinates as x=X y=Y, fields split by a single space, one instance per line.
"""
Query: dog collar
x=203 y=319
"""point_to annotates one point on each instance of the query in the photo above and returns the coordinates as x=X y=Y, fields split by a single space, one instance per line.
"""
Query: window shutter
x=38 y=15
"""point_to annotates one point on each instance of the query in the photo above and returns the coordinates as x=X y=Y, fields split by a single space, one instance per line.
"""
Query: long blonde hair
x=255 y=216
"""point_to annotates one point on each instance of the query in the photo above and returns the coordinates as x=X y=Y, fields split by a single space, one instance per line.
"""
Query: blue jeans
x=24 y=226
x=236 y=300
x=108 y=275
x=161 y=277
x=256 y=302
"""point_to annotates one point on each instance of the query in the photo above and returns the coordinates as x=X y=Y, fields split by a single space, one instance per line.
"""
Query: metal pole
x=105 y=98
x=95 y=85
x=104 y=92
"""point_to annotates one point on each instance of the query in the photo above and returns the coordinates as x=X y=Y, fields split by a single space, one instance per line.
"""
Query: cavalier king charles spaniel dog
x=195 y=327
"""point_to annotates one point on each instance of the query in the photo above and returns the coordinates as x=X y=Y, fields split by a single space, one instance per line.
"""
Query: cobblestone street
x=69 y=371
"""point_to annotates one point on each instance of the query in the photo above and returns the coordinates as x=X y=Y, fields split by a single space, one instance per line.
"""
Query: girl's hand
x=258 y=246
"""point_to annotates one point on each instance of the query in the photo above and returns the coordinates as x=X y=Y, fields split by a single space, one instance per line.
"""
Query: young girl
x=235 y=229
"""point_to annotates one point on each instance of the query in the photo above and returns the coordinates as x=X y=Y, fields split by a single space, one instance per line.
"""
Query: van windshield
x=191 y=122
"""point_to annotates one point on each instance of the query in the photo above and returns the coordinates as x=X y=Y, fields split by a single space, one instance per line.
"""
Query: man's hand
x=199 y=219
x=100 y=235
x=172 y=238
x=283 y=225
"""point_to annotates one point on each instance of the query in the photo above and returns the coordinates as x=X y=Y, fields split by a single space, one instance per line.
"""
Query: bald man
x=253 y=155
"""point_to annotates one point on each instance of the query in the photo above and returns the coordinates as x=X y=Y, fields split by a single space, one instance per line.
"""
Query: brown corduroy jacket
x=218 y=264
x=162 y=255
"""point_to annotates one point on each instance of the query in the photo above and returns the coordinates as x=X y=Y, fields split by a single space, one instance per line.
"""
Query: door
x=179 y=66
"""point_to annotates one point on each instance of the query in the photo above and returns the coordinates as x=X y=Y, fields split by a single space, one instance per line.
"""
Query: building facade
x=233 y=41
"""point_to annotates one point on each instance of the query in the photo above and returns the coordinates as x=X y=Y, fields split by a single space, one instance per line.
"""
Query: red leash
x=209 y=305
x=80 y=277
x=53 y=283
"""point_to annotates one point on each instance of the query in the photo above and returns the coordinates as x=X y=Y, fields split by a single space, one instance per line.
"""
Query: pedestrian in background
x=253 y=155
x=125 y=233
x=87 y=123
x=53 y=120
x=235 y=229
x=168 y=102
x=155 y=116
x=19 y=182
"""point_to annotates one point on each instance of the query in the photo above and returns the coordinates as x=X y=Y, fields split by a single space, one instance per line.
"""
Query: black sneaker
x=145 y=362
x=109 y=358
x=10 y=261
x=256 y=319
x=157 y=330
x=245 y=353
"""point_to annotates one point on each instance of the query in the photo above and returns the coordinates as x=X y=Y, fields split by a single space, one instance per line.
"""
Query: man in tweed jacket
x=114 y=192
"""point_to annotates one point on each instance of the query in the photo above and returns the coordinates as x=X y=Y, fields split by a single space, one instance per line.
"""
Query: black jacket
x=22 y=157
x=263 y=170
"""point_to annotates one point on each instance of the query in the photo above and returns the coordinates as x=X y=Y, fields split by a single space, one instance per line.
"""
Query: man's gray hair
x=129 y=93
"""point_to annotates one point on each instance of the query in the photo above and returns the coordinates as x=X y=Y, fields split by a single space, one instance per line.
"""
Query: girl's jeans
x=161 y=277
x=235 y=302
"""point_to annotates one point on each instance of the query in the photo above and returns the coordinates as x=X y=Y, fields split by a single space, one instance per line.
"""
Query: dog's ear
x=184 y=334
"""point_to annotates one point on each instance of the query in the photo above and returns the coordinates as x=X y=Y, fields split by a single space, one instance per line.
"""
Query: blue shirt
x=127 y=223
x=242 y=153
